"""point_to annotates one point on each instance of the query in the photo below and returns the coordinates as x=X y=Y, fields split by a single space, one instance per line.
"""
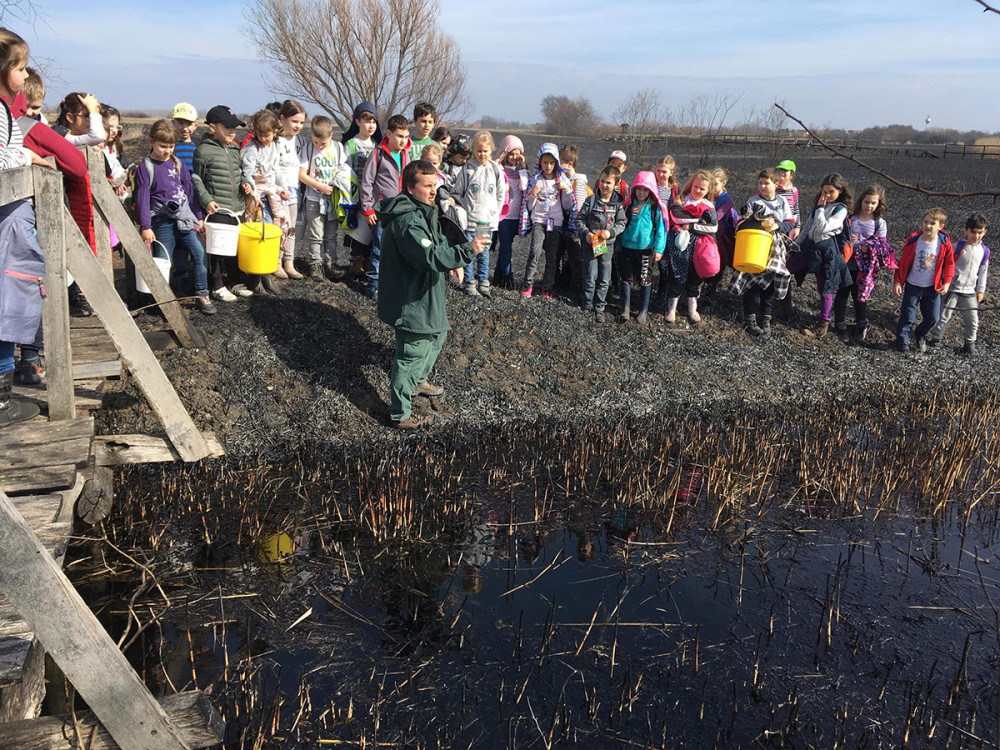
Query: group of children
x=320 y=189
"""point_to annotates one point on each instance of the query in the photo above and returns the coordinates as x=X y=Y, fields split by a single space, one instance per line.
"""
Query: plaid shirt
x=776 y=272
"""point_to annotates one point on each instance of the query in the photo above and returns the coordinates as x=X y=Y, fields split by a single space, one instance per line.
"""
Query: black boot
x=626 y=293
x=268 y=283
x=643 y=304
x=11 y=409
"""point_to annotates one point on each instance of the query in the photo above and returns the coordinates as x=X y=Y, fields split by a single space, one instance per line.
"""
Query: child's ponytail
x=72 y=104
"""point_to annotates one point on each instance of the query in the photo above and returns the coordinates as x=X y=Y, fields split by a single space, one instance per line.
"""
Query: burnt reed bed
x=743 y=575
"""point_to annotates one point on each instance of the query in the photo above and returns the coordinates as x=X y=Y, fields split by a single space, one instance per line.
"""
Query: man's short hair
x=422 y=109
x=976 y=221
x=569 y=155
x=397 y=122
x=771 y=173
x=34 y=87
x=321 y=127
x=413 y=170
x=938 y=215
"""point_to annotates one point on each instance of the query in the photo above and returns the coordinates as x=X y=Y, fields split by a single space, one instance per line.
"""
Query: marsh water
x=424 y=601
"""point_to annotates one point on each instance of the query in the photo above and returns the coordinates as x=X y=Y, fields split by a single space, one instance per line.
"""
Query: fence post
x=59 y=390
x=102 y=232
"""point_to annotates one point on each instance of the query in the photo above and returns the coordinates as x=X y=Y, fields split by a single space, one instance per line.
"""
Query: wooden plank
x=26 y=434
x=198 y=723
x=60 y=453
x=55 y=310
x=134 y=350
x=16 y=185
x=107 y=369
x=39 y=479
x=71 y=634
x=117 y=450
x=98 y=180
x=107 y=204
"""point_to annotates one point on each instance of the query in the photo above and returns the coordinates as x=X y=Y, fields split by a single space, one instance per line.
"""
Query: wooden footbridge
x=55 y=472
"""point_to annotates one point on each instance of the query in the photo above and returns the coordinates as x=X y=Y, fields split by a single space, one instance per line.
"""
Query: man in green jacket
x=415 y=259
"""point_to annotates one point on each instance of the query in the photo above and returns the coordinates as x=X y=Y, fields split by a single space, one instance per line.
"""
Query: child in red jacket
x=923 y=276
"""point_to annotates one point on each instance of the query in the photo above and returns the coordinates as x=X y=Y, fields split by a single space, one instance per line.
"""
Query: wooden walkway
x=55 y=471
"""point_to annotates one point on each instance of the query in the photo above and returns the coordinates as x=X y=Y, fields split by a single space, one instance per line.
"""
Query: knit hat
x=185 y=111
x=460 y=144
x=508 y=144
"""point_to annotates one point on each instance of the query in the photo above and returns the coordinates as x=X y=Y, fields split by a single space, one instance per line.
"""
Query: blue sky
x=848 y=64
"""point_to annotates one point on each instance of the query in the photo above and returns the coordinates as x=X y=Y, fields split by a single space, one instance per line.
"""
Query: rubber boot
x=626 y=294
x=671 y=314
x=693 y=315
x=268 y=283
x=644 y=293
x=764 y=323
x=13 y=410
x=861 y=330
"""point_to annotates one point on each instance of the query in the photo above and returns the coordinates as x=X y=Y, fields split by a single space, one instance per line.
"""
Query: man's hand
x=372 y=219
x=898 y=289
x=480 y=242
x=148 y=237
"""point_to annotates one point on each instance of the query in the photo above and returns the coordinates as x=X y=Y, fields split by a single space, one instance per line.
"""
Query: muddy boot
x=764 y=323
x=268 y=283
x=626 y=294
x=316 y=272
x=671 y=313
x=644 y=293
x=693 y=315
x=12 y=410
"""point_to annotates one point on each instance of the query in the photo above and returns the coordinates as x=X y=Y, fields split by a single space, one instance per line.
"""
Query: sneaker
x=223 y=295
x=527 y=292
x=547 y=294
x=470 y=289
x=921 y=345
x=428 y=389
x=753 y=329
x=412 y=422
x=240 y=290
x=484 y=289
x=599 y=316
x=205 y=305
x=29 y=372
x=78 y=305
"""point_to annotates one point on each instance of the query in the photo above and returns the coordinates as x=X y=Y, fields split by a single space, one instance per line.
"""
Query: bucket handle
x=157 y=242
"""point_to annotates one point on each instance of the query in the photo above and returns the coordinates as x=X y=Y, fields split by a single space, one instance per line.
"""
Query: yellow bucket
x=753 y=247
x=259 y=248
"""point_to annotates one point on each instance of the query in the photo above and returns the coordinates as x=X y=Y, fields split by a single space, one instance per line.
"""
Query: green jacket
x=218 y=174
x=415 y=258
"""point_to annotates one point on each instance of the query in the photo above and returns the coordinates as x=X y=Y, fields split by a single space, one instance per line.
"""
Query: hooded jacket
x=944 y=267
x=647 y=230
x=382 y=179
x=352 y=132
x=567 y=197
x=218 y=174
x=415 y=257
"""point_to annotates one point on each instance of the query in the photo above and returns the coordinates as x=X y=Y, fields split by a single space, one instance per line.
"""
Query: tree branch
x=987 y=8
x=880 y=173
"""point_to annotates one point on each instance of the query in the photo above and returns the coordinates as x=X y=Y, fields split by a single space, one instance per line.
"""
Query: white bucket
x=221 y=239
x=163 y=265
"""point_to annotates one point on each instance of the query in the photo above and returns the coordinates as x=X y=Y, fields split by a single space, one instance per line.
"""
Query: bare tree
x=706 y=116
x=338 y=53
x=646 y=117
x=24 y=11
x=565 y=116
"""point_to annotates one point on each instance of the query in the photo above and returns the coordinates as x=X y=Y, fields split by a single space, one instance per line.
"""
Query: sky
x=846 y=64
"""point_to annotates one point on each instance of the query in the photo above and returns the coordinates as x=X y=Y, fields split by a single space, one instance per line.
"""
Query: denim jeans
x=375 y=259
x=6 y=357
x=929 y=302
x=507 y=231
x=596 y=277
x=480 y=265
x=168 y=235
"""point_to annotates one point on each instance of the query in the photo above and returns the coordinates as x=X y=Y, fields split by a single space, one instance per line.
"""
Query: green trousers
x=412 y=363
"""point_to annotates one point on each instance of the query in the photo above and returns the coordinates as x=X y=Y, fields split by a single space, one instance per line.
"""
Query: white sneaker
x=223 y=295
x=240 y=290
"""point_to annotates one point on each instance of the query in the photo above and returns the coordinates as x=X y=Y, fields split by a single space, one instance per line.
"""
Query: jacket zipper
x=39 y=279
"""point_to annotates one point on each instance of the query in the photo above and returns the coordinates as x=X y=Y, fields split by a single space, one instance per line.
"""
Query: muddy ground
x=308 y=367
